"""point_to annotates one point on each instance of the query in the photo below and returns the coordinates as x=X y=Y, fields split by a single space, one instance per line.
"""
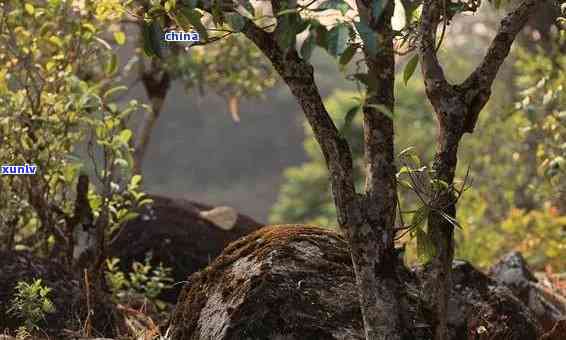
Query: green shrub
x=145 y=279
x=31 y=303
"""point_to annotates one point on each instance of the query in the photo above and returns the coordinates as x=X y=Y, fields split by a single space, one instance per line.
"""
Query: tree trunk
x=441 y=230
x=370 y=244
x=457 y=108
x=156 y=82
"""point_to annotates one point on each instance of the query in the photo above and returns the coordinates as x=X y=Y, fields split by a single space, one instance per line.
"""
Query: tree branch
x=457 y=109
x=380 y=184
x=477 y=86
x=433 y=74
x=298 y=74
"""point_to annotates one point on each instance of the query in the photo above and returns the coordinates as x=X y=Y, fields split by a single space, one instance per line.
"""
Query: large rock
x=512 y=270
x=181 y=234
x=70 y=311
x=297 y=282
x=480 y=308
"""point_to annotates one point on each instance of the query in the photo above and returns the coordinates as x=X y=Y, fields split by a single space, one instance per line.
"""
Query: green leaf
x=320 y=32
x=383 y=109
x=425 y=246
x=87 y=26
x=135 y=181
x=112 y=65
x=145 y=201
x=337 y=39
x=287 y=11
x=248 y=6
x=114 y=90
x=127 y=217
x=55 y=40
x=192 y=17
x=151 y=39
x=348 y=54
x=236 y=21
x=410 y=68
x=120 y=37
x=285 y=38
x=368 y=37
x=377 y=7
x=49 y=26
x=419 y=217
x=156 y=11
x=288 y=26
x=124 y=136
x=217 y=14
x=339 y=5
x=307 y=47
x=169 y=5
x=349 y=118
x=29 y=8
x=147 y=44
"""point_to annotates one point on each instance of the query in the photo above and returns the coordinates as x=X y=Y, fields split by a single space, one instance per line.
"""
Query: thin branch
x=478 y=84
x=432 y=70
x=298 y=74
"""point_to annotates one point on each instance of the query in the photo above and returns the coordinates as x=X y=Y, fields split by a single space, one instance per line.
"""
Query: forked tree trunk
x=367 y=220
x=457 y=108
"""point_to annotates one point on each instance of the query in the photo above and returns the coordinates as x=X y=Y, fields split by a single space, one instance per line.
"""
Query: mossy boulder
x=297 y=282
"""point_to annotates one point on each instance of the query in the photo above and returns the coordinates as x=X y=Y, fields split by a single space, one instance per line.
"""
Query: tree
x=368 y=218
x=224 y=68
x=457 y=109
x=305 y=194
x=59 y=113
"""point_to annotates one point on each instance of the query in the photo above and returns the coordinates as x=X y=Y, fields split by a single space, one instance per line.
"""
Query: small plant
x=432 y=195
x=31 y=303
x=144 y=279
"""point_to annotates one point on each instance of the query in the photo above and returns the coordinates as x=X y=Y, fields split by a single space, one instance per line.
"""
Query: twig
x=87 y=330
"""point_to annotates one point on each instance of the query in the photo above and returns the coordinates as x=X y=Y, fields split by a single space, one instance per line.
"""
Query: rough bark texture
x=372 y=246
x=457 y=108
x=513 y=272
x=297 y=282
x=65 y=294
x=174 y=231
x=365 y=219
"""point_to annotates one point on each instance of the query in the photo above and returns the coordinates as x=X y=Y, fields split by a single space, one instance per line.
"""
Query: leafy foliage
x=58 y=111
x=31 y=303
x=144 y=279
x=222 y=61
x=518 y=197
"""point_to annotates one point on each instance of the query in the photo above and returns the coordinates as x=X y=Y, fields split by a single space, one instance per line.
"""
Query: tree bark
x=365 y=219
x=457 y=108
x=156 y=82
x=380 y=194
